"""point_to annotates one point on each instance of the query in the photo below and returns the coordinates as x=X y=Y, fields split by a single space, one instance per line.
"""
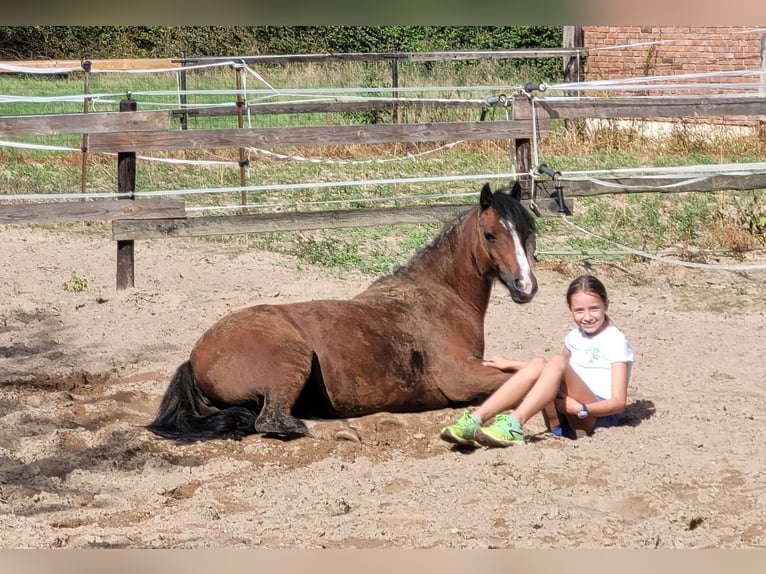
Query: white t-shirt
x=592 y=357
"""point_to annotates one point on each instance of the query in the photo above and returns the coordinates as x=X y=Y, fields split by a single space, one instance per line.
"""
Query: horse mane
x=507 y=207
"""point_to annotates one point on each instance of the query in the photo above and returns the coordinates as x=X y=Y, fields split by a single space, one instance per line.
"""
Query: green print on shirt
x=593 y=353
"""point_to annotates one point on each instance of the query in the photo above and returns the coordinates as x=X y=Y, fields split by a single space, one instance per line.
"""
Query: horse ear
x=485 y=198
x=516 y=190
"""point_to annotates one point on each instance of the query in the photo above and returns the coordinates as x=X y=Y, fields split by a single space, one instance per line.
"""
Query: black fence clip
x=530 y=87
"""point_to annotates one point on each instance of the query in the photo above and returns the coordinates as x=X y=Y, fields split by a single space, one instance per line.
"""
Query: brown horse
x=412 y=341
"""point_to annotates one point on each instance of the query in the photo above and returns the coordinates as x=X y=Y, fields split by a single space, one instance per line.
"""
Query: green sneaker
x=462 y=431
x=504 y=431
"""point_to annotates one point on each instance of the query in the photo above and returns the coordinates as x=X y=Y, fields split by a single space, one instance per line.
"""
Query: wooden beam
x=386 y=56
x=10 y=66
x=320 y=135
x=640 y=107
x=270 y=222
x=92 y=210
x=81 y=123
x=327 y=106
x=588 y=187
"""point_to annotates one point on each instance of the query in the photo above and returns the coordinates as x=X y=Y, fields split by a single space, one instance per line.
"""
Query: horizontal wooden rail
x=91 y=210
x=327 y=107
x=78 y=123
x=320 y=135
x=641 y=107
x=715 y=182
x=269 y=222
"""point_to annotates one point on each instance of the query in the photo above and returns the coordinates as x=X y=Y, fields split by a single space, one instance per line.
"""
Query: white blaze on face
x=526 y=284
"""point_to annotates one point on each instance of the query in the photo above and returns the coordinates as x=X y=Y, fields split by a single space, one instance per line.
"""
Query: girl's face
x=588 y=312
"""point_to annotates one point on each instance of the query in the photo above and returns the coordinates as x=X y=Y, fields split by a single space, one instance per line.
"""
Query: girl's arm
x=619 y=399
x=503 y=364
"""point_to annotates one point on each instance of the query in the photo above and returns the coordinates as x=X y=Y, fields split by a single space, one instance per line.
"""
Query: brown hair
x=587 y=284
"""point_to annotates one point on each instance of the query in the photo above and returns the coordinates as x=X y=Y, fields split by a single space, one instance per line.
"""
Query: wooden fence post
x=395 y=84
x=573 y=38
x=126 y=183
x=523 y=157
x=243 y=160
x=182 y=98
x=86 y=66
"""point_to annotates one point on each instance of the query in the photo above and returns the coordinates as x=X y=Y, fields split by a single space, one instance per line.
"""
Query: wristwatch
x=583 y=412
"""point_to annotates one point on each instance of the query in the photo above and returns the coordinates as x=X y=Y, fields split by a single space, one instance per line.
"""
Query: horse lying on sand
x=412 y=341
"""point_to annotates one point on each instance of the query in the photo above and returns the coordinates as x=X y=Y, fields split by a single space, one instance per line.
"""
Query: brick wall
x=682 y=49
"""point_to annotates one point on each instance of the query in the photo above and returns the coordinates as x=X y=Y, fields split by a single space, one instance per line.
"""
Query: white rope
x=668 y=77
x=35 y=70
x=752 y=86
x=42 y=147
x=535 y=135
x=605 y=183
x=5 y=99
x=260 y=78
x=732 y=168
x=43 y=197
x=681 y=263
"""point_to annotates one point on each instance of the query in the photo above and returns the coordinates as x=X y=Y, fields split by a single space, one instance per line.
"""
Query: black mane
x=508 y=207
x=506 y=204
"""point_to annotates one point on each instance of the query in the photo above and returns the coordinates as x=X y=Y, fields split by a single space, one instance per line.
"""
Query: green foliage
x=94 y=42
x=76 y=284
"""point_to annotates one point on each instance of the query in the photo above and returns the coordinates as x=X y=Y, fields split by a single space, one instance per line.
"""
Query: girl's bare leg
x=544 y=390
x=512 y=391
x=551 y=416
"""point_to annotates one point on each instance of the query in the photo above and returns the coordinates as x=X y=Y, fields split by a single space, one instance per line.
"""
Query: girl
x=583 y=388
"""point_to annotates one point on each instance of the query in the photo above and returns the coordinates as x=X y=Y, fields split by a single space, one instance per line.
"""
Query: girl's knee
x=557 y=363
x=538 y=364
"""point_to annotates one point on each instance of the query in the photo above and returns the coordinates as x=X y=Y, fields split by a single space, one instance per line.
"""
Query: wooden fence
x=130 y=131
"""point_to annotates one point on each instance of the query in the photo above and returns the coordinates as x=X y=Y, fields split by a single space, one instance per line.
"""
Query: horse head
x=507 y=233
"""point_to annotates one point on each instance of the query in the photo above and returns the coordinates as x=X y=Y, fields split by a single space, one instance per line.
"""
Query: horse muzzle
x=522 y=288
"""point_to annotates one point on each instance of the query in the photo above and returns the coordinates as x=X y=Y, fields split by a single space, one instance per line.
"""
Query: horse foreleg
x=475 y=381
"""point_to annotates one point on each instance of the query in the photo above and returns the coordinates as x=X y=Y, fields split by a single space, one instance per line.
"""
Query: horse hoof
x=289 y=426
x=347 y=434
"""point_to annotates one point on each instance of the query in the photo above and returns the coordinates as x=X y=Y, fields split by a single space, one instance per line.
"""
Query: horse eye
x=489 y=236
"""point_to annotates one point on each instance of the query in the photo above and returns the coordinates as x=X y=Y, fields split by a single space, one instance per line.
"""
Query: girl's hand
x=502 y=363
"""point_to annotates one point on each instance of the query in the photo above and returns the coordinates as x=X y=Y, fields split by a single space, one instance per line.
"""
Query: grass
x=731 y=222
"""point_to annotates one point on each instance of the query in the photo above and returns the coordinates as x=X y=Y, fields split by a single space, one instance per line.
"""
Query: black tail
x=179 y=417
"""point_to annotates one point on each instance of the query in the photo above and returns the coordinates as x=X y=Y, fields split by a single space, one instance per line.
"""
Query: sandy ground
x=81 y=373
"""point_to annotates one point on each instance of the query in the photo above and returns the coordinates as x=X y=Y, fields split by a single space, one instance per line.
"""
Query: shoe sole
x=454 y=439
x=491 y=441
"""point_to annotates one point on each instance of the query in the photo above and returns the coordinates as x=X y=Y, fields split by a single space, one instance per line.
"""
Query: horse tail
x=179 y=415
